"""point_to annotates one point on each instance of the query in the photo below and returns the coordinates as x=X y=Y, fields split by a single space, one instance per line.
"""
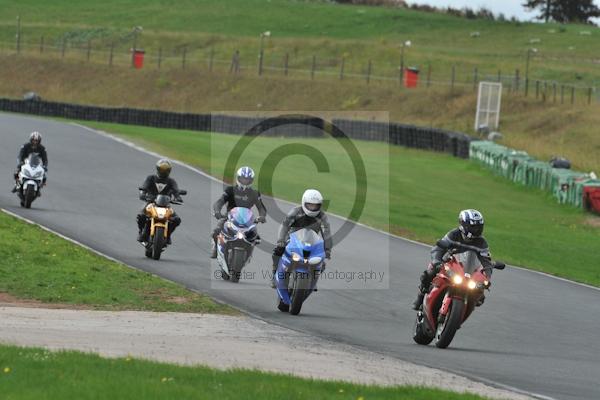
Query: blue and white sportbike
x=236 y=242
x=299 y=269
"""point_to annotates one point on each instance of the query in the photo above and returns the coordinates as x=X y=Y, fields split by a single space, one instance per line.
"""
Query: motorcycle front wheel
x=300 y=291
x=447 y=329
x=158 y=242
x=29 y=196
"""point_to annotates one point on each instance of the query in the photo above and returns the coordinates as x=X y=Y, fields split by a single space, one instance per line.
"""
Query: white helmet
x=244 y=177
x=311 y=202
x=35 y=136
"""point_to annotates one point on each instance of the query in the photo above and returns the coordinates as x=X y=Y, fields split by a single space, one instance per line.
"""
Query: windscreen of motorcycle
x=34 y=160
x=306 y=238
x=469 y=260
x=162 y=200
x=242 y=217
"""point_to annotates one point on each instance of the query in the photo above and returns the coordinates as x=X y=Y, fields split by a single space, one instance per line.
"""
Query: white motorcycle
x=30 y=180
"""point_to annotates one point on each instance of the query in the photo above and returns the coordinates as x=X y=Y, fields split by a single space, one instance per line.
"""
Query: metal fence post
x=342 y=69
x=369 y=72
x=18 y=36
x=211 y=59
x=572 y=95
x=589 y=96
x=517 y=78
x=260 y=61
x=428 y=75
x=475 y=78
x=41 y=44
x=62 y=48
x=537 y=90
x=453 y=77
x=562 y=94
x=313 y=67
x=159 y=56
x=286 y=61
x=110 y=56
x=89 y=50
x=554 y=92
x=183 y=57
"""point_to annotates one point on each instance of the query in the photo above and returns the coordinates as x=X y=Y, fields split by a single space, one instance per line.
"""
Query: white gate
x=488 y=106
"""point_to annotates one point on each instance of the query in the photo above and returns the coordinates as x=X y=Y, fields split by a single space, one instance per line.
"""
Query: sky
x=507 y=7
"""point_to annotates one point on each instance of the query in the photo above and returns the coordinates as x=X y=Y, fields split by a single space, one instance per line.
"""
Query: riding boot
x=213 y=253
x=273 y=283
x=418 y=301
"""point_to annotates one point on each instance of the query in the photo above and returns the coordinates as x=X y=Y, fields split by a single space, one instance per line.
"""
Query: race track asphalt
x=535 y=333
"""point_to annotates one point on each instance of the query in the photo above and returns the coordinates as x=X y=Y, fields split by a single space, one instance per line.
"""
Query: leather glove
x=218 y=215
x=328 y=254
x=179 y=199
x=261 y=219
x=436 y=266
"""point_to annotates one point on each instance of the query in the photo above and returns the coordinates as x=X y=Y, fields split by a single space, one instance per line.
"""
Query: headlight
x=240 y=235
x=457 y=279
x=471 y=284
x=295 y=257
x=26 y=173
x=38 y=175
x=314 y=260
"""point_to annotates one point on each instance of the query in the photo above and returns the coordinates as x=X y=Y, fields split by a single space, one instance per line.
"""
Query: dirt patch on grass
x=592 y=220
x=8 y=300
x=178 y=300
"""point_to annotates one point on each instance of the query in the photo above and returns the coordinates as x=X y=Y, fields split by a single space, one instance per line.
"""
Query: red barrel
x=138 y=58
x=411 y=77
x=591 y=198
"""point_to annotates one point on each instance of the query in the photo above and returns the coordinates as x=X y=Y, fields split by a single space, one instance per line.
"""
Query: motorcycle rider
x=240 y=195
x=155 y=184
x=308 y=215
x=469 y=232
x=33 y=146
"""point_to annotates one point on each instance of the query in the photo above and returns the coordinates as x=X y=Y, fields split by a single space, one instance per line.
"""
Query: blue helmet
x=470 y=223
x=244 y=177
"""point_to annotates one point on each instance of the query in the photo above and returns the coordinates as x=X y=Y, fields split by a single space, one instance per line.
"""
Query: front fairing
x=35 y=173
x=304 y=245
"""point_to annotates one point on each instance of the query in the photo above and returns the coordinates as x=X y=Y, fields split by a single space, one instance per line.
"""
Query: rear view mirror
x=183 y=192
x=499 y=265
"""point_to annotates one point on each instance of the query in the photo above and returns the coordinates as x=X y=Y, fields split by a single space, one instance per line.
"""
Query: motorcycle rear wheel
x=445 y=332
x=419 y=334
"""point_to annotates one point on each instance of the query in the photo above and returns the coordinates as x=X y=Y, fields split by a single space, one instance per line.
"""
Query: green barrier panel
x=564 y=184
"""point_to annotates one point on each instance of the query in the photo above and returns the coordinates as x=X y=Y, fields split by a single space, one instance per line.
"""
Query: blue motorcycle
x=299 y=269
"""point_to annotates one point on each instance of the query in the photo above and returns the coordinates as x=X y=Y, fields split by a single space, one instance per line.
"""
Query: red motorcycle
x=455 y=291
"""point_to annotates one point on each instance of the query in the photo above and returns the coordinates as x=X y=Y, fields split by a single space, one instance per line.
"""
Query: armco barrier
x=567 y=186
x=454 y=143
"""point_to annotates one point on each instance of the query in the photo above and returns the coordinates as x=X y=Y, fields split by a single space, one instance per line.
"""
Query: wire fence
x=281 y=64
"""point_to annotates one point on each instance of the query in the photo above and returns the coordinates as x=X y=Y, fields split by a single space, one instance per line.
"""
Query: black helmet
x=163 y=168
x=470 y=223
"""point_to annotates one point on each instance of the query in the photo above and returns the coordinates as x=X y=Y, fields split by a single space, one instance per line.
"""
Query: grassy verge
x=27 y=373
x=304 y=29
x=426 y=190
x=62 y=272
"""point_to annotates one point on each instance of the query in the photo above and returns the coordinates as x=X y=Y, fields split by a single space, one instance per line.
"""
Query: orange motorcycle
x=158 y=212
